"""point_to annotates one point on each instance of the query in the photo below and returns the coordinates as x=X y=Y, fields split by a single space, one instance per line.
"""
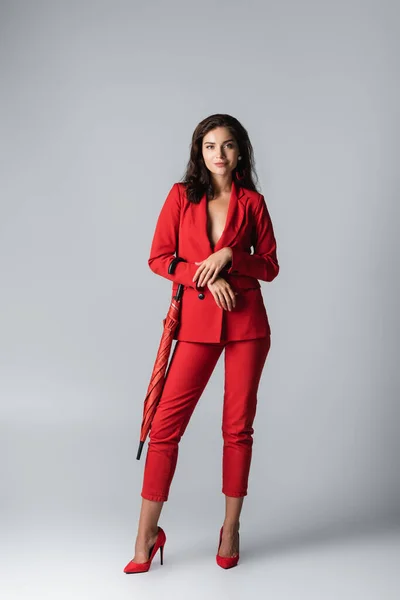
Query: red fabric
x=181 y=228
x=156 y=384
x=190 y=369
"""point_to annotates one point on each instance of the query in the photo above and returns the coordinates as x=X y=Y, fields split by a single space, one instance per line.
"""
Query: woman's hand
x=223 y=294
x=211 y=266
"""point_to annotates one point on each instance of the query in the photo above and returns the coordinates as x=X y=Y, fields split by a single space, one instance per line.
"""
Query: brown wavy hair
x=197 y=177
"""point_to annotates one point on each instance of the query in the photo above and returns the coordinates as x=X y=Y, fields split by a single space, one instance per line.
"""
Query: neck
x=222 y=185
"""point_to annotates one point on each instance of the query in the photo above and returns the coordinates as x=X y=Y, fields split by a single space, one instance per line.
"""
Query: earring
x=239 y=158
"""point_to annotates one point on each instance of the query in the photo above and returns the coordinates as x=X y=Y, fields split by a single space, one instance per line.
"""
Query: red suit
x=205 y=330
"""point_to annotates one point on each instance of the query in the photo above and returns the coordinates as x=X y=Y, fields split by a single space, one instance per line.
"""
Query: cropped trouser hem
x=155 y=498
x=163 y=498
x=234 y=494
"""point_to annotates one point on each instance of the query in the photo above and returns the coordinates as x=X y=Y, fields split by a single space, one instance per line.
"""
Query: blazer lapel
x=235 y=220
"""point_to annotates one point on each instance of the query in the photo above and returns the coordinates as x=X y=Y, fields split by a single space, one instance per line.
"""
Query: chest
x=216 y=217
x=209 y=225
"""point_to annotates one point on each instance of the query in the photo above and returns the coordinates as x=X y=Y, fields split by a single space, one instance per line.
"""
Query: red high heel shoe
x=133 y=567
x=226 y=562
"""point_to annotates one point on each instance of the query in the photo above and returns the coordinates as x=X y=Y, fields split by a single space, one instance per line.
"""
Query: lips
x=220 y=164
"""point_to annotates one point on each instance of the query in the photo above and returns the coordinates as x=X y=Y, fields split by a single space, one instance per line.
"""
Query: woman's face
x=220 y=151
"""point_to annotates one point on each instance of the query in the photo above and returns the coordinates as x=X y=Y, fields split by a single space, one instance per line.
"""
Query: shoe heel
x=162 y=554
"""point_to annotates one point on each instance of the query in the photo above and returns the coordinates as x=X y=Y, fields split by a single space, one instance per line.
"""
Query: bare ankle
x=148 y=534
x=231 y=526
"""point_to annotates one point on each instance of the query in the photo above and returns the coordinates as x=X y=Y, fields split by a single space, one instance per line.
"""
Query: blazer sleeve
x=263 y=264
x=165 y=243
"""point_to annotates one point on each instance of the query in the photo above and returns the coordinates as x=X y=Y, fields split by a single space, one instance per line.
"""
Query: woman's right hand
x=223 y=294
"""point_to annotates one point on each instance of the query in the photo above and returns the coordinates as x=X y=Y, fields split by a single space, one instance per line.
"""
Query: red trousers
x=190 y=368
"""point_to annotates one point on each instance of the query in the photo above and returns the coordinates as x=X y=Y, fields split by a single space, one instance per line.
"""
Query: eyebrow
x=230 y=140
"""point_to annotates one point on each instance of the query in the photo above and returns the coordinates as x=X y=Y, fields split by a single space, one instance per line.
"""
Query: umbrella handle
x=171 y=270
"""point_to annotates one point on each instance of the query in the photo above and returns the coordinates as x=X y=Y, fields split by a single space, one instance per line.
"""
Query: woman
x=211 y=220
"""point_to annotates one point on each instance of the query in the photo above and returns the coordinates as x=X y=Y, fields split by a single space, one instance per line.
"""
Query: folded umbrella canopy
x=157 y=378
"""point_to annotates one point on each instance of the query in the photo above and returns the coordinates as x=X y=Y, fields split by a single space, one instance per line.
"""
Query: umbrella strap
x=171 y=271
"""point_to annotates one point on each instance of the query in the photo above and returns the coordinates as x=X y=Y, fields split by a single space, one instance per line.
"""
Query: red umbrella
x=157 y=378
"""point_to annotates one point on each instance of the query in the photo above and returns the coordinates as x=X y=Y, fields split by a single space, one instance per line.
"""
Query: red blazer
x=182 y=229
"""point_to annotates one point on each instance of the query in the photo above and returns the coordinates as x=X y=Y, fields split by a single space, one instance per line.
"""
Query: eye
x=228 y=145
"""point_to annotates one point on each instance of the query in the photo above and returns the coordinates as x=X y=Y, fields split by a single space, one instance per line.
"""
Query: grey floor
x=84 y=559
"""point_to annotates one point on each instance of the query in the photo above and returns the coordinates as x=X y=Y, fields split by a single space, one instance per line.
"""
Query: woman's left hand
x=211 y=266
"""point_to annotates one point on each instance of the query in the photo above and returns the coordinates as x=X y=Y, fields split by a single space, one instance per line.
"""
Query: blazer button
x=201 y=296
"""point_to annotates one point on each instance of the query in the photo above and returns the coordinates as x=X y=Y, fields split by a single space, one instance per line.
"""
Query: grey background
x=98 y=104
